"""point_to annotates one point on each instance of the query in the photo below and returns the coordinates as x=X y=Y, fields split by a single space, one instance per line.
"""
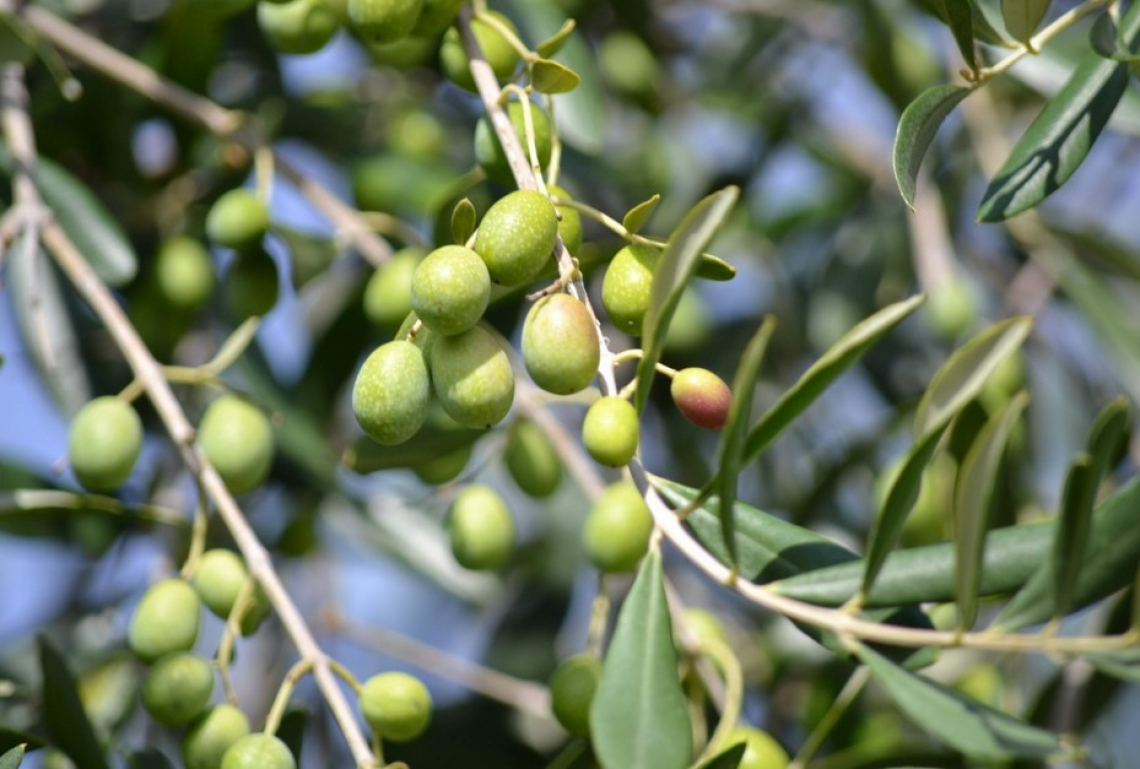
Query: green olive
x=208 y=738
x=516 y=237
x=498 y=52
x=178 y=688
x=572 y=688
x=702 y=397
x=617 y=530
x=237 y=439
x=396 y=706
x=388 y=293
x=392 y=391
x=560 y=344
x=611 y=431
x=489 y=153
x=626 y=287
x=472 y=377
x=184 y=273
x=238 y=219
x=298 y=26
x=761 y=751
x=532 y=460
x=570 y=223
x=384 y=21
x=480 y=528
x=165 y=621
x=436 y=16
x=219 y=579
x=258 y=751
x=445 y=467
x=104 y=443
x=450 y=290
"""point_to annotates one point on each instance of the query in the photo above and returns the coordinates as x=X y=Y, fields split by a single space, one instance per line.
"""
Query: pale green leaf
x=917 y=127
x=554 y=43
x=714 y=268
x=636 y=217
x=1022 y=17
x=463 y=220
x=1070 y=544
x=548 y=76
x=14 y=757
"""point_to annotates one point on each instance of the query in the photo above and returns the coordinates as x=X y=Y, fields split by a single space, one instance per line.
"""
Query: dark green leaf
x=672 y=274
x=549 y=76
x=63 y=713
x=964 y=724
x=972 y=494
x=917 y=127
x=1103 y=37
x=639 y=718
x=1108 y=435
x=961 y=378
x=463 y=220
x=826 y=370
x=982 y=29
x=959 y=15
x=636 y=217
x=714 y=268
x=1022 y=17
x=731 y=457
x=1123 y=664
x=554 y=43
x=1070 y=543
x=11 y=738
x=149 y=759
x=897 y=505
x=729 y=759
x=14 y=757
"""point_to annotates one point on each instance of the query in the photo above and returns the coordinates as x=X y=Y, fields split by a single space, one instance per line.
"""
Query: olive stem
x=729 y=666
x=847 y=695
x=284 y=694
x=264 y=172
x=23 y=500
x=198 y=533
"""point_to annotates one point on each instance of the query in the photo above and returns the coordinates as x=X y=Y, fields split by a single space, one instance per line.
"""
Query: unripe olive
x=238 y=441
x=184 y=273
x=436 y=16
x=104 y=442
x=472 y=377
x=570 y=224
x=297 y=26
x=208 y=738
x=258 y=751
x=396 y=706
x=219 y=579
x=626 y=287
x=444 y=468
x=617 y=530
x=761 y=751
x=951 y=308
x=627 y=64
x=480 y=528
x=450 y=290
x=572 y=688
x=499 y=53
x=238 y=219
x=532 y=460
x=704 y=626
x=560 y=344
x=251 y=286
x=178 y=688
x=392 y=391
x=611 y=431
x=489 y=153
x=165 y=620
x=517 y=236
x=384 y=21
x=418 y=133
x=388 y=294
x=702 y=397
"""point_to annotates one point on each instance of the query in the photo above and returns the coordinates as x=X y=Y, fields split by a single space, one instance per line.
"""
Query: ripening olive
x=104 y=443
x=570 y=225
x=238 y=219
x=617 y=530
x=532 y=460
x=480 y=528
x=444 y=468
x=702 y=397
x=436 y=16
x=572 y=688
x=450 y=290
x=517 y=236
x=184 y=273
x=384 y=21
x=165 y=620
x=178 y=688
x=251 y=286
x=626 y=287
x=472 y=377
x=396 y=706
x=297 y=26
x=489 y=153
x=611 y=431
x=208 y=738
x=761 y=751
x=238 y=441
x=498 y=52
x=392 y=391
x=560 y=344
x=258 y=751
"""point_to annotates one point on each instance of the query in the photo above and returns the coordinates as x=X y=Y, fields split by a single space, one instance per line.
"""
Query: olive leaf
x=463 y=220
x=14 y=757
x=548 y=76
x=729 y=759
x=714 y=268
x=1022 y=17
x=554 y=43
x=66 y=720
x=1070 y=544
x=918 y=125
x=636 y=217
x=959 y=16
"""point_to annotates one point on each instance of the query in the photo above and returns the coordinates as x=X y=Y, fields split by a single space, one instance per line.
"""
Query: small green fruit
x=517 y=236
x=184 y=273
x=450 y=290
x=704 y=626
x=489 y=152
x=219 y=579
x=392 y=391
x=238 y=219
x=258 y=751
x=396 y=706
x=178 y=688
x=238 y=441
x=480 y=528
x=611 y=431
x=388 y=294
x=702 y=397
x=298 y=26
x=104 y=443
x=572 y=688
x=560 y=344
x=384 y=21
x=951 y=308
x=626 y=287
x=762 y=751
x=472 y=377
x=532 y=460
x=628 y=64
x=499 y=53
x=251 y=286
x=436 y=16
x=209 y=737
x=165 y=620
x=570 y=225
x=617 y=530
x=443 y=468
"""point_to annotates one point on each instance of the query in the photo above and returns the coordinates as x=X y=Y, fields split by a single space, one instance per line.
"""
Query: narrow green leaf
x=714 y=268
x=1103 y=36
x=554 y=43
x=918 y=125
x=63 y=713
x=1058 y=140
x=1070 y=543
x=972 y=494
x=150 y=758
x=1123 y=664
x=838 y=358
x=982 y=29
x=1108 y=435
x=14 y=757
x=12 y=738
x=639 y=718
x=731 y=457
x=673 y=273
x=463 y=220
x=959 y=16
x=962 y=723
x=962 y=376
x=1022 y=17
x=1115 y=538
x=548 y=76
x=636 y=217
x=729 y=759
x=897 y=505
